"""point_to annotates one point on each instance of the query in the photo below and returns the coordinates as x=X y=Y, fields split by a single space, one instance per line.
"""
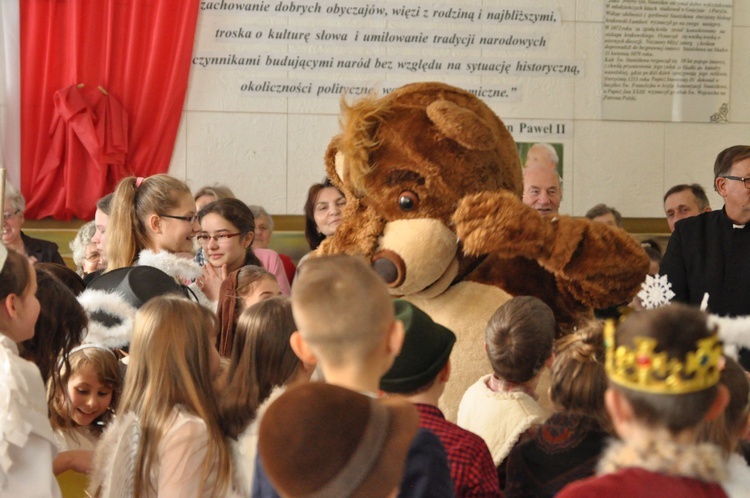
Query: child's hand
x=76 y=460
x=211 y=281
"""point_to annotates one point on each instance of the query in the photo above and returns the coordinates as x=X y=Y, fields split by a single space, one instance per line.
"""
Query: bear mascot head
x=433 y=183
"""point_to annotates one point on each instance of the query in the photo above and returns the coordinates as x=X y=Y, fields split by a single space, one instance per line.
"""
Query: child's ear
x=445 y=374
x=720 y=403
x=301 y=349
x=9 y=306
x=395 y=338
x=154 y=223
x=619 y=409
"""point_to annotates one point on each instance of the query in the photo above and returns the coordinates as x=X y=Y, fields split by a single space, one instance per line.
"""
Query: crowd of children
x=210 y=393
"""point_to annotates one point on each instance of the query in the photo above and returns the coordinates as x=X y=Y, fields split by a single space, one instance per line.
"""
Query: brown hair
x=342 y=308
x=579 y=379
x=59 y=328
x=314 y=238
x=676 y=329
x=261 y=359
x=233 y=289
x=238 y=214
x=131 y=207
x=698 y=192
x=603 y=209
x=728 y=157
x=725 y=431
x=519 y=338
x=14 y=276
x=105 y=203
x=105 y=364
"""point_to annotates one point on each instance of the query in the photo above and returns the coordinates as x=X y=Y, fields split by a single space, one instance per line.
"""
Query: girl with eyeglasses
x=153 y=222
x=226 y=235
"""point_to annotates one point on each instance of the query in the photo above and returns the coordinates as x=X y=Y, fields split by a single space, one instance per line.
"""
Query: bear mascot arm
x=576 y=251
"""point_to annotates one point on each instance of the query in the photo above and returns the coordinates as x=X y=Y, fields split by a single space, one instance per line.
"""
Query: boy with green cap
x=420 y=373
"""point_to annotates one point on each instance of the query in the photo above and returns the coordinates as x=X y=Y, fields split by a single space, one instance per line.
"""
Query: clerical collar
x=741 y=227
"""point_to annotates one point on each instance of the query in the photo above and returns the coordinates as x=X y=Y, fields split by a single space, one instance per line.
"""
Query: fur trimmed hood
x=661 y=454
x=102 y=307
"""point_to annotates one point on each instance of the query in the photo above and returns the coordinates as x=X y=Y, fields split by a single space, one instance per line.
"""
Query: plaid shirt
x=472 y=469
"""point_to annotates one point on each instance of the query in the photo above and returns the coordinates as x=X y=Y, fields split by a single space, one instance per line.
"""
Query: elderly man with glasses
x=709 y=253
x=37 y=250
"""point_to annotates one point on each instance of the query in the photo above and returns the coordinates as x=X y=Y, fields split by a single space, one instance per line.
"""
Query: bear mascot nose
x=390 y=267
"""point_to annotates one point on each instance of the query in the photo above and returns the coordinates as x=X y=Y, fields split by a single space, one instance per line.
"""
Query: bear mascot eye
x=408 y=200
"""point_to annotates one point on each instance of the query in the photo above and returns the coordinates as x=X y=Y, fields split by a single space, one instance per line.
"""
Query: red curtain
x=78 y=141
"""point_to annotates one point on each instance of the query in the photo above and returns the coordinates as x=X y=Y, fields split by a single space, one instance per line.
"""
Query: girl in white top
x=82 y=396
x=27 y=446
x=166 y=440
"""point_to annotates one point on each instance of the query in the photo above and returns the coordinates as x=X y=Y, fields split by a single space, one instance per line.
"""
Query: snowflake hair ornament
x=656 y=291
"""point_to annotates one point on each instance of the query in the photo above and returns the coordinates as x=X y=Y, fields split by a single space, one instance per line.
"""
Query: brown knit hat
x=320 y=440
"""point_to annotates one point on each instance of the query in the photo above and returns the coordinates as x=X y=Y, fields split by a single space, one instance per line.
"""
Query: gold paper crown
x=643 y=369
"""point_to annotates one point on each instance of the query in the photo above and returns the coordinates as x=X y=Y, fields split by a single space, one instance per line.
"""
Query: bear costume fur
x=433 y=183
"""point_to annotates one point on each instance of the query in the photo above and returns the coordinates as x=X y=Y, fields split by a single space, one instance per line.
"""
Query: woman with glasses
x=37 y=250
x=226 y=236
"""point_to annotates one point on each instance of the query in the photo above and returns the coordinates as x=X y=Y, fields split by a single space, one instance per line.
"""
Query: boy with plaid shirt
x=420 y=373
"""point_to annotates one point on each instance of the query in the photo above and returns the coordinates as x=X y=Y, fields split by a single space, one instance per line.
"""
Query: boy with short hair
x=664 y=367
x=502 y=406
x=346 y=324
x=420 y=373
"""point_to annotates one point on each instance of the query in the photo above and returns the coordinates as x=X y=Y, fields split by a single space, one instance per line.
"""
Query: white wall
x=269 y=150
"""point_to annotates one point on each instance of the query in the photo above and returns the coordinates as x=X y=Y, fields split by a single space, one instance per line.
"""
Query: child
x=60 y=326
x=663 y=366
x=346 y=325
x=27 y=444
x=82 y=396
x=567 y=446
x=420 y=373
x=502 y=406
x=153 y=222
x=240 y=290
x=347 y=444
x=731 y=427
x=166 y=440
x=262 y=366
x=227 y=232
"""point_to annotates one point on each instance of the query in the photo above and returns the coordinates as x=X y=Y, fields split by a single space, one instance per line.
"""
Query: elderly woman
x=38 y=251
x=86 y=255
x=263 y=232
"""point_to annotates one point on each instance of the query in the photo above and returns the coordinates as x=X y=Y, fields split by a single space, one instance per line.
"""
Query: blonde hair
x=342 y=308
x=170 y=366
x=131 y=207
x=104 y=362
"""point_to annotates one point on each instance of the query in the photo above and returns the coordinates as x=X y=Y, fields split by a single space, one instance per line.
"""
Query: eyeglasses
x=204 y=238
x=8 y=215
x=189 y=219
x=745 y=180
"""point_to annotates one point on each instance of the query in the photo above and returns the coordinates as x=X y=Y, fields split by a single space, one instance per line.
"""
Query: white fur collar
x=660 y=453
x=171 y=264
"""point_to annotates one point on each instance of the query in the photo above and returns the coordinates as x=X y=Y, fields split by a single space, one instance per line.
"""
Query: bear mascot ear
x=462 y=125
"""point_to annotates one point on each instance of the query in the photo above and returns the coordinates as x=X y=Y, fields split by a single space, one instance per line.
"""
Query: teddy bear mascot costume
x=433 y=183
